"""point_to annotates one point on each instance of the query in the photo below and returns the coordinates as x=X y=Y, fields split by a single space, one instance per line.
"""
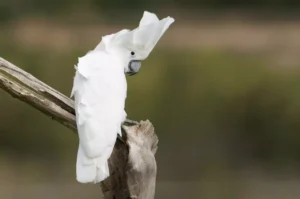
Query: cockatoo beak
x=134 y=67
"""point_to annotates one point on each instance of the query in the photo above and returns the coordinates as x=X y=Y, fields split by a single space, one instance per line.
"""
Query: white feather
x=100 y=90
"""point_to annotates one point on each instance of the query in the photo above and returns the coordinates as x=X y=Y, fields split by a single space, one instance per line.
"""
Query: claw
x=131 y=122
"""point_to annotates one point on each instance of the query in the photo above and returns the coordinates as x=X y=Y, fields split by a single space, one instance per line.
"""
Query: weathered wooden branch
x=132 y=163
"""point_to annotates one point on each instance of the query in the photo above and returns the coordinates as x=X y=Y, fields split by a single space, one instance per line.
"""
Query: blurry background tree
x=222 y=89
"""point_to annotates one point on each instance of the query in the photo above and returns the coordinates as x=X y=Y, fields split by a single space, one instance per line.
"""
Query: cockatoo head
x=133 y=46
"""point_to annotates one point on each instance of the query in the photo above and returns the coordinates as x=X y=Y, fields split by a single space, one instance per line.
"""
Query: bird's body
x=100 y=101
x=100 y=89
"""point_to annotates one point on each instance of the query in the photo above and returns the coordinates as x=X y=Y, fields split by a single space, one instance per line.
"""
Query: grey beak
x=134 y=67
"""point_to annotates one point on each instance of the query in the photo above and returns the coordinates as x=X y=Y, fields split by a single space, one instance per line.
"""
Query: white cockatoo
x=100 y=90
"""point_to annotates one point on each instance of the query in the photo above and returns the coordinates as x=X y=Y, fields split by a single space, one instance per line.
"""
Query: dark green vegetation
x=227 y=119
x=212 y=110
x=16 y=9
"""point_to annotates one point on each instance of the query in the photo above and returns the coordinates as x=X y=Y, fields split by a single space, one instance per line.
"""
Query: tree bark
x=132 y=163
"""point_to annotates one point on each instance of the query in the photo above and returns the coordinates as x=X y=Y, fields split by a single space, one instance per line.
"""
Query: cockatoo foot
x=131 y=122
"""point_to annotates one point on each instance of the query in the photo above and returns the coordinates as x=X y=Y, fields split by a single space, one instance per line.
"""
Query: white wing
x=100 y=92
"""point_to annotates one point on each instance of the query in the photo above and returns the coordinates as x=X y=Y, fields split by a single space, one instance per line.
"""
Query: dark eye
x=132 y=53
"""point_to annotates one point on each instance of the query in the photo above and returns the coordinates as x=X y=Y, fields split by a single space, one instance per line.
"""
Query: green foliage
x=227 y=107
x=11 y=9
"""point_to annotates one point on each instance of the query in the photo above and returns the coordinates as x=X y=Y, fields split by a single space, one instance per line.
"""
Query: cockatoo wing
x=100 y=92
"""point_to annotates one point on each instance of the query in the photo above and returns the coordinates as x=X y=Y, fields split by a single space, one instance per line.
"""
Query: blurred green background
x=222 y=89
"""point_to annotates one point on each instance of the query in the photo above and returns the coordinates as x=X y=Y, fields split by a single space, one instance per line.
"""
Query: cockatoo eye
x=132 y=53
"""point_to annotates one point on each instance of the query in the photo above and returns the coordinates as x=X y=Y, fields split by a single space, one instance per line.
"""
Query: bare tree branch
x=132 y=163
x=32 y=91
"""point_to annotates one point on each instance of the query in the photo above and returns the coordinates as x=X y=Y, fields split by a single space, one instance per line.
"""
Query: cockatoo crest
x=141 y=40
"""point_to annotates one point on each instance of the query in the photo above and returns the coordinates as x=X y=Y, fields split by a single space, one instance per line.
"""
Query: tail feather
x=90 y=170
x=102 y=172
